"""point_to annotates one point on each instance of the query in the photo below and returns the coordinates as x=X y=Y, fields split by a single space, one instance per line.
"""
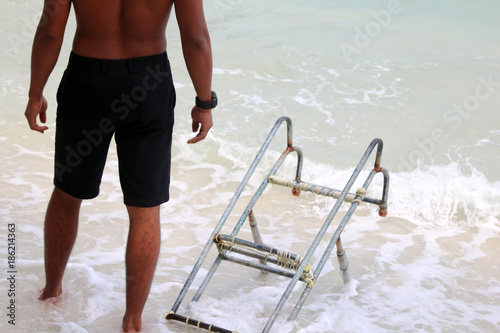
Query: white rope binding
x=360 y=192
x=283 y=259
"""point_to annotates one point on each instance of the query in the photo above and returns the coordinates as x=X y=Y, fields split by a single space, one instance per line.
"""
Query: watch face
x=214 y=100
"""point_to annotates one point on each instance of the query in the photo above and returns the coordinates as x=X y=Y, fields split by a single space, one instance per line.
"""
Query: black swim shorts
x=133 y=99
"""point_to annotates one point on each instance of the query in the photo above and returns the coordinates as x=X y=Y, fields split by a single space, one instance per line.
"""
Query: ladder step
x=264 y=253
x=303 y=186
x=284 y=259
x=189 y=321
x=323 y=190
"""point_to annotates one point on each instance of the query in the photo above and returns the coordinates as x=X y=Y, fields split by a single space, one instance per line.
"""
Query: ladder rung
x=189 y=321
x=318 y=189
x=219 y=238
x=262 y=267
x=249 y=253
x=304 y=186
x=265 y=254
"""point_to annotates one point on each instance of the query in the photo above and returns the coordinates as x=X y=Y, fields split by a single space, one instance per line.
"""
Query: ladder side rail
x=236 y=228
x=206 y=280
x=254 y=228
x=238 y=225
x=258 y=193
x=231 y=205
x=378 y=155
x=329 y=249
x=300 y=159
x=343 y=262
x=324 y=228
x=341 y=227
x=249 y=209
x=305 y=261
x=377 y=168
x=322 y=262
x=243 y=217
x=385 y=193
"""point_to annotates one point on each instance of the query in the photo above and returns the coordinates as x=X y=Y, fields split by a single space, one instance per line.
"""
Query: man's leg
x=61 y=226
x=143 y=247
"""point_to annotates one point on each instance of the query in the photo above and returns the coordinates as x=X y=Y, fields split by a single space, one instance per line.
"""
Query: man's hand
x=36 y=108
x=202 y=119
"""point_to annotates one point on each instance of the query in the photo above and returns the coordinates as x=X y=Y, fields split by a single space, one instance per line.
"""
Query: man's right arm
x=197 y=52
x=46 y=47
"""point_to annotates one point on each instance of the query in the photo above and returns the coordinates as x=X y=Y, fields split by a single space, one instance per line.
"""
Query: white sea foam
x=419 y=264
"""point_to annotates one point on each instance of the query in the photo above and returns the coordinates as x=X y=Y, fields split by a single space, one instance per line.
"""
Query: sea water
x=422 y=75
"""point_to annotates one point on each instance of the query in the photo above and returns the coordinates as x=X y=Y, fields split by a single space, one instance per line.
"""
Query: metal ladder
x=283 y=263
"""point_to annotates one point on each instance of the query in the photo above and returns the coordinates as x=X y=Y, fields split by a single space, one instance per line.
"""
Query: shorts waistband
x=131 y=64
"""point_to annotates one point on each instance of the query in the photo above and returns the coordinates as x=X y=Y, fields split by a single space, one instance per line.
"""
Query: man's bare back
x=120 y=29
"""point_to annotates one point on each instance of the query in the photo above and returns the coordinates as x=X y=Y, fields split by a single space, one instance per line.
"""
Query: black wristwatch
x=207 y=105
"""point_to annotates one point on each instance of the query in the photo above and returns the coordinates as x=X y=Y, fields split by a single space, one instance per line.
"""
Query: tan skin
x=115 y=29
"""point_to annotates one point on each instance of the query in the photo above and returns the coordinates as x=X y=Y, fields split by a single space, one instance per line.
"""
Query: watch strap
x=207 y=105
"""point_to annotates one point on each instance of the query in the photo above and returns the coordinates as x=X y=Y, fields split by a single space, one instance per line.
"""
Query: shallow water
x=426 y=80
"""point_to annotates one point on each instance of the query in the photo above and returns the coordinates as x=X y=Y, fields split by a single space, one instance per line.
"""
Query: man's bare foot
x=46 y=294
x=131 y=326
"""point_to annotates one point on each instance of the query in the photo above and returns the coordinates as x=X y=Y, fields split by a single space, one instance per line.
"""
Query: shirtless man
x=118 y=76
